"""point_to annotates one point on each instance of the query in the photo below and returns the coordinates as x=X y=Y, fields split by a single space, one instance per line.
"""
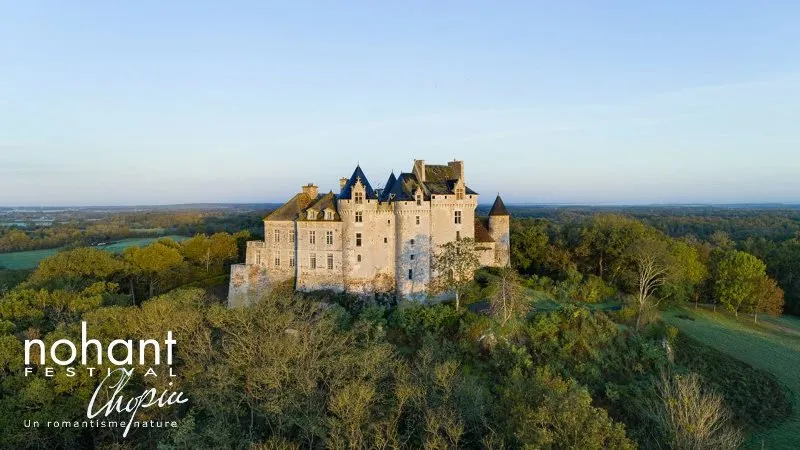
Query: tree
x=768 y=299
x=198 y=250
x=223 y=248
x=653 y=267
x=79 y=267
x=453 y=267
x=507 y=296
x=692 y=418
x=153 y=262
x=737 y=280
x=690 y=272
x=603 y=243
x=547 y=411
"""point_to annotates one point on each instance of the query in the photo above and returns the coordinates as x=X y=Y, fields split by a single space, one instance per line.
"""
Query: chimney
x=342 y=182
x=419 y=169
x=310 y=190
x=457 y=167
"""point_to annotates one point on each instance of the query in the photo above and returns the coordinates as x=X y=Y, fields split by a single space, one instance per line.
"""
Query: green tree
x=78 y=268
x=737 y=280
x=453 y=268
x=198 y=250
x=548 y=411
x=154 y=263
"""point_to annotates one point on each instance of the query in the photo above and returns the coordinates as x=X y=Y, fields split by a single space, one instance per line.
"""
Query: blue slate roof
x=347 y=190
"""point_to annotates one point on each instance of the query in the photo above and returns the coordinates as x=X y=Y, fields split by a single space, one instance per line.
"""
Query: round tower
x=500 y=230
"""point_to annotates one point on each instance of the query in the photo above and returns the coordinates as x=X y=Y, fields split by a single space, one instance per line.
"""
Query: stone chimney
x=419 y=169
x=457 y=167
x=342 y=182
x=311 y=190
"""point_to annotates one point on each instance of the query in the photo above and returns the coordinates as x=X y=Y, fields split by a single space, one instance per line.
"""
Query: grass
x=772 y=345
x=30 y=259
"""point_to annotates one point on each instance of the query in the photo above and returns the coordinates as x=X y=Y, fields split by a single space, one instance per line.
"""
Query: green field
x=772 y=345
x=30 y=259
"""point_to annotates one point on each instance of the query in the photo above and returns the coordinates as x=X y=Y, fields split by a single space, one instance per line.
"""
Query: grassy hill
x=772 y=345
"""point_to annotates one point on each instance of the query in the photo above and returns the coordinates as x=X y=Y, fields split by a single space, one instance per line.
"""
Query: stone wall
x=247 y=282
x=310 y=278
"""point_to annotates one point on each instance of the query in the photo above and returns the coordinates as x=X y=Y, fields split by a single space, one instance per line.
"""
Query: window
x=389 y=222
x=291 y=261
x=457 y=217
x=329 y=237
x=312 y=261
x=417 y=220
x=419 y=199
x=328 y=215
x=412 y=242
x=358 y=258
x=330 y=261
x=258 y=258
x=458 y=235
x=277 y=259
x=291 y=236
x=276 y=236
x=312 y=237
x=385 y=240
x=410 y=274
x=359 y=216
x=358 y=239
x=412 y=257
x=311 y=215
x=459 y=194
x=358 y=197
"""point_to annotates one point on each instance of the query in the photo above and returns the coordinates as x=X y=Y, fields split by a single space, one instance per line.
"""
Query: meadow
x=30 y=259
x=772 y=345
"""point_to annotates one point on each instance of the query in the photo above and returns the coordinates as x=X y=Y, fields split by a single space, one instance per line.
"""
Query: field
x=31 y=258
x=772 y=345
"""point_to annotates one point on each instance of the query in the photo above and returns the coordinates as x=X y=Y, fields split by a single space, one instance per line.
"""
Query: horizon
x=748 y=205
x=162 y=104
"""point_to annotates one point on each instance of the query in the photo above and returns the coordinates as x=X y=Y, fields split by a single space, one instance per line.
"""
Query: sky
x=153 y=102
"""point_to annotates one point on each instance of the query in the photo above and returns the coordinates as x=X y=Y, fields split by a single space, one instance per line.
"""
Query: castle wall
x=313 y=270
x=279 y=252
x=247 y=282
x=368 y=267
x=412 y=247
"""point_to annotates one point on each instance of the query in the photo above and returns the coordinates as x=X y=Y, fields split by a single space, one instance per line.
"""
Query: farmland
x=30 y=259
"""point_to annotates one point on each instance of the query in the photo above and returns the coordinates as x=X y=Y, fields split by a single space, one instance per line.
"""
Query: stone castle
x=365 y=240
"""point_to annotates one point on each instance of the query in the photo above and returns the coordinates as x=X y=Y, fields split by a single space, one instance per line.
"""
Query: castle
x=365 y=240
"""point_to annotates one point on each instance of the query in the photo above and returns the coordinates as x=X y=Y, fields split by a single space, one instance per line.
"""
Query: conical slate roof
x=348 y=187
x=498 y=208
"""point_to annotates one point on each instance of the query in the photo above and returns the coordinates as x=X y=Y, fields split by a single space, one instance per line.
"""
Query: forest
x=575 y=346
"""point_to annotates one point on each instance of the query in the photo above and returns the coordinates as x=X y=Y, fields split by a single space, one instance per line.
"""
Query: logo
x=108 y=397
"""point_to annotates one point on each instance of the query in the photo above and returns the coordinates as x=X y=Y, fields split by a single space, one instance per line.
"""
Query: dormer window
x=358 y=198
x=419 y=199
x=311 y=214
x=328 y=215
x=459 y=194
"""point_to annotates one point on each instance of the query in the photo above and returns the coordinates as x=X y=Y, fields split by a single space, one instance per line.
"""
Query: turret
x=500 y=230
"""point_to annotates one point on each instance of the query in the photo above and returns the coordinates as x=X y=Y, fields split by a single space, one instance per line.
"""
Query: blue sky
x=153 y=102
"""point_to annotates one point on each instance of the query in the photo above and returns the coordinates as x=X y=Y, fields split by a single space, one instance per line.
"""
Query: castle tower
x=499 y=229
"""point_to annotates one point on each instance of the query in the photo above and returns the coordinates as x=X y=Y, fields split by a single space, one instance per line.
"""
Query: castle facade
x=363 y=240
